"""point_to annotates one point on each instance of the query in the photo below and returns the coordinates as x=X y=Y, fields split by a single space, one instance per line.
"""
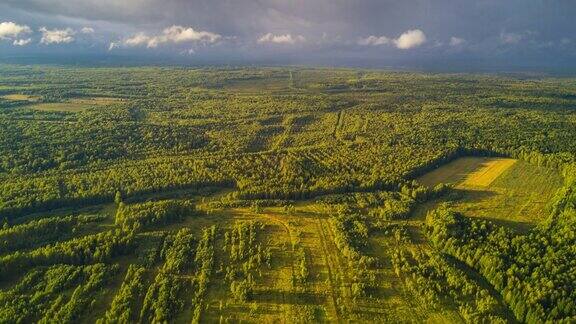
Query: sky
x=497 y=33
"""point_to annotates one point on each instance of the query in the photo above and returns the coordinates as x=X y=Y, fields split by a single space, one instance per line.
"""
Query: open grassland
x=21 y=97
x=276 y=297
x=74 y=105
x=257 y=85
x=490 y=171
x=468 y=172
x=509 y=191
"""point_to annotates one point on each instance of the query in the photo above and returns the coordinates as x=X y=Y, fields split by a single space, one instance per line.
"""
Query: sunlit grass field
x=507 y=190
x=73 y=105
x=21 y=97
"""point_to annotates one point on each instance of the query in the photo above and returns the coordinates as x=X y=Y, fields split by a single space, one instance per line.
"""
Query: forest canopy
x=158 y=194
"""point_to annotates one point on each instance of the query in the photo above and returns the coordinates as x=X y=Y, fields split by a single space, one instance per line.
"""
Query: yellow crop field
x=468 y=172
x=489 y=170
x=507 y=190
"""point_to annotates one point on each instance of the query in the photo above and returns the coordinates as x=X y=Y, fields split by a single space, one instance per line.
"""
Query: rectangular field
x=509 y=191
x=74 y=105
x=488 y=172
x=21 y=97
x=468 y=172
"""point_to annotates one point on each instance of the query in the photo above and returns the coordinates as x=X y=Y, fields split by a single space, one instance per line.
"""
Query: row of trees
x=351 y=230
x=523 y=268
x=432 y=278
x=204 y=260
x=252 y=174
x=152 y=214
x=177 y=252
x=124 y=305
x=246 y=257
x=164 y=299
x=41 y=295
x=83 y=296
x=533 y=272
x=93 y=248
x=43 y=231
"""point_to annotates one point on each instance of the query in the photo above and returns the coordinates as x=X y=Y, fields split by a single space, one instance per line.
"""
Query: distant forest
x=157 y=194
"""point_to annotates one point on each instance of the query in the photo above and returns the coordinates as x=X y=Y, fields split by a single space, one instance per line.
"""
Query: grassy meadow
x=509 y=191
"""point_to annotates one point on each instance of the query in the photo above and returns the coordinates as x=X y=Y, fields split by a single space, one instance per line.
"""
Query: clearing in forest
x=21 y=97
x=258 y=85
x=510 y=191
x=74 y=105
x=468 y=172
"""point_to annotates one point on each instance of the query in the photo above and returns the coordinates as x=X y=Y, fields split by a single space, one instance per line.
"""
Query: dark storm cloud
x=350 y=28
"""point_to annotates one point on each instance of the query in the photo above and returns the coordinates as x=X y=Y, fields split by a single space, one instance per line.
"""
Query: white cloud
x=112 y=46
x=56 y=36
x=410 y=39
x=175 y=35
x=281 y=39
x=10 y=30
x=87 y=30
x=22 y=42
x=179 y=34
x=456 y=41
x=137 y=40
x=374 y=41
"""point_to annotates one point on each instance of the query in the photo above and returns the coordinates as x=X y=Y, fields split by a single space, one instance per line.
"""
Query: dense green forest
x=160 y=194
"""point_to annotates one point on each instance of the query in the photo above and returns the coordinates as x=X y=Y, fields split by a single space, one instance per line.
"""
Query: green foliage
x=47 y=230
x=39 y=296
x=124 y=305
x=91 y=248
x=303 y=270
x=205 y=261
x=152 y=213
x=303 y=314
x=179 y=252
x=523 y=268
x=163 y=299
x=350 y=231
x=279 y=142
x=433 y=278
x=240 y=290
x=81 y=298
